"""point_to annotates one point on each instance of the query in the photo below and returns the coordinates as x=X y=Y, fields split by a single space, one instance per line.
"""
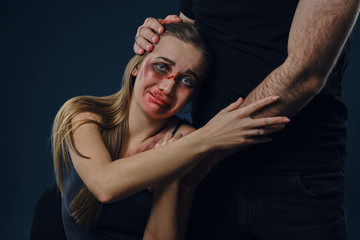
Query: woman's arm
x=113 y=180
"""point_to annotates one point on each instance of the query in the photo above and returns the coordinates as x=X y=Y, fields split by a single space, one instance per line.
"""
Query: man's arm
x=318 y=33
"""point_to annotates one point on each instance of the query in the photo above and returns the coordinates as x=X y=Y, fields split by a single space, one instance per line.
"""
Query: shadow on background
x=54 y=50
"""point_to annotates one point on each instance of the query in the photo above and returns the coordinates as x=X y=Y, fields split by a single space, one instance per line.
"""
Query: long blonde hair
x=114 y=111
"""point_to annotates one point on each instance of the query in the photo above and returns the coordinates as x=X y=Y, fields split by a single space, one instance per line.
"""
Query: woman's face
x=167 y=77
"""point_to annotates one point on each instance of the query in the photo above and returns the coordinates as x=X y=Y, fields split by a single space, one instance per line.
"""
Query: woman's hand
x=233 y=126
x=169 y=138
x=145 y=36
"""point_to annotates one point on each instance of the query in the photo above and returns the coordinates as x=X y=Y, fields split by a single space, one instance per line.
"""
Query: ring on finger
x=257 y=132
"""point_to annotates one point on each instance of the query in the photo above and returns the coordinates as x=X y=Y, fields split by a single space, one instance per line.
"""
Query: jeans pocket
x=321 y=185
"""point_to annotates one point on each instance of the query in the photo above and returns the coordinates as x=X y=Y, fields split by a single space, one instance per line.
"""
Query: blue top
x=125 y=219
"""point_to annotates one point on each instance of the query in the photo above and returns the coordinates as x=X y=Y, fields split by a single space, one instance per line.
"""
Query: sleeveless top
x=125 y=219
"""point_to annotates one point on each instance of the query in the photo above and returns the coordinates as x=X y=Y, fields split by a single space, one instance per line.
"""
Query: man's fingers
x=138 y=50
x=143 y=43
x=154 y=24
x=147 y=34
x=171 y=19
x=255 y=106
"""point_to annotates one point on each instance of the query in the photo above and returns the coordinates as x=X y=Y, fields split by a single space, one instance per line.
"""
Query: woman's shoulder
x=178 y=125
x=89 y=117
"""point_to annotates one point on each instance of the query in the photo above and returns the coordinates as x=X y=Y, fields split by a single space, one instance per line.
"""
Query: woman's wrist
x=203 y=141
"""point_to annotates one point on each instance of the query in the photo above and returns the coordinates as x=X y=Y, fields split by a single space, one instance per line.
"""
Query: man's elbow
x=313 y=85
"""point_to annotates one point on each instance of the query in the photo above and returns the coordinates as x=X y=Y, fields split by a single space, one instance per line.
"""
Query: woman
x=109 y=150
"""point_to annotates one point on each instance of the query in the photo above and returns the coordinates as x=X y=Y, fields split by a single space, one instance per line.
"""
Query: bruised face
x=167 y=77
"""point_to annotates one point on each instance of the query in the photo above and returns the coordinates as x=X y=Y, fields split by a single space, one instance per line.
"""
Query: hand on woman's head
x=168 y=77
x=146 y=34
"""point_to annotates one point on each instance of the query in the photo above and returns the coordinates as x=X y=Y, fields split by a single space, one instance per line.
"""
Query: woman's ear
x=134 y=72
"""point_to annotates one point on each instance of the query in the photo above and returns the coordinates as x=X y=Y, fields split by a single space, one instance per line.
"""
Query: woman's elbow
x=107 y=193
x=104 y=198
x=103 y=191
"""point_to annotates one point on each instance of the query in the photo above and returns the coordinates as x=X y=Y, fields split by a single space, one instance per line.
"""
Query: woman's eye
x=160 y=67
x=188 y=82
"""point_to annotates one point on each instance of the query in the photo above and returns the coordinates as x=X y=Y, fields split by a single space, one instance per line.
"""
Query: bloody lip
x=156 y=99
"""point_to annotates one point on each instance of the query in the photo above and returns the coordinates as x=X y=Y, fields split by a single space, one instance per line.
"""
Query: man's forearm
x=317 y=36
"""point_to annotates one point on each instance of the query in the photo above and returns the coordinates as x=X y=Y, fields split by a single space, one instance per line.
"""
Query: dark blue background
x=54 y=50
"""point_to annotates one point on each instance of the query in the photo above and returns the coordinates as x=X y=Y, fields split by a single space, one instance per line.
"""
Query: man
x=293 y=187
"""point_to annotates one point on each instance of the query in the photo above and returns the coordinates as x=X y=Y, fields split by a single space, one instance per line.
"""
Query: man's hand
x=146 y=34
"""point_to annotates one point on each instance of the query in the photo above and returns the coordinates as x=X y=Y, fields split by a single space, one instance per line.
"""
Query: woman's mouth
x=157 y=97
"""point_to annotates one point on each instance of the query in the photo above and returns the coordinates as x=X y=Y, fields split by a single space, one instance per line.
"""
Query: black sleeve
x=185 y=8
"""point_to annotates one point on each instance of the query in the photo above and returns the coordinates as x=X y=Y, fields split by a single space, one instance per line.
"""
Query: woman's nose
x=167 y=86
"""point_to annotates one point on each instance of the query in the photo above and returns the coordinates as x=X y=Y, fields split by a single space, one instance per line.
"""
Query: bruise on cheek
x=146 y=66
x=150 y=71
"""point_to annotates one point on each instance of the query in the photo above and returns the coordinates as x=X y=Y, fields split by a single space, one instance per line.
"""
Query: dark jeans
x=232 y=205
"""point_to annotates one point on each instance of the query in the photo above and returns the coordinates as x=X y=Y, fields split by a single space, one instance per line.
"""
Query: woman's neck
x=141 y=127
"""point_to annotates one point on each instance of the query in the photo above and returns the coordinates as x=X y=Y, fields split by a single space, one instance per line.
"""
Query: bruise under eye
x=160 y=67
x=187 y=82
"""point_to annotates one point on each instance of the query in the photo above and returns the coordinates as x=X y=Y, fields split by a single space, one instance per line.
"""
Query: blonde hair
x=114 y=111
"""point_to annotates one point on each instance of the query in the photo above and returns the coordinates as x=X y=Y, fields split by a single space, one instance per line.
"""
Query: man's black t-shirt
x=248 y=40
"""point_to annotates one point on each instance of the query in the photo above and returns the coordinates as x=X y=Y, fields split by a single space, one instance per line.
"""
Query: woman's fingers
x=259 y=140
x=177 y=136
x=257 y=105
x=169 y=138
x=268 y=121
x=266 y=130
x=234 y=105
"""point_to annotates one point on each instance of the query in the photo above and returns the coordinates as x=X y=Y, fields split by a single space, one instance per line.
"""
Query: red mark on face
x=172 y=76
x=158 y=93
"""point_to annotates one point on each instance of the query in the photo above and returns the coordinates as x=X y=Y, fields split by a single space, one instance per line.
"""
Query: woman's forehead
x=178 y=51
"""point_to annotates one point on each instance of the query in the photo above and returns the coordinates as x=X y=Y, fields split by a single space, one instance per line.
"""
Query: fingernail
x=276 y=97
x=286 y=120
x=148 y=47
x=154 y=39
x=159 y=30
x=140 y=51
